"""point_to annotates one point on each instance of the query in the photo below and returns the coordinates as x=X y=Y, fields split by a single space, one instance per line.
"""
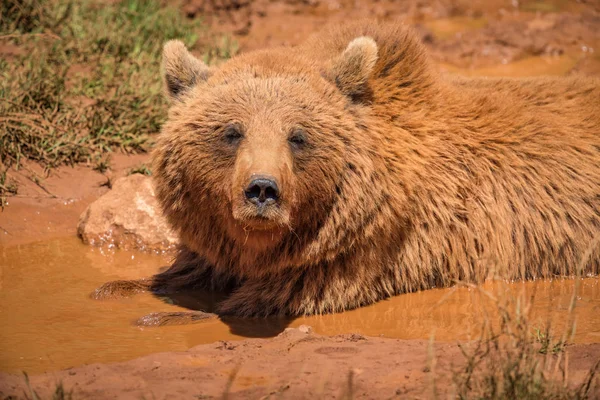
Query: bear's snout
x=262 y=191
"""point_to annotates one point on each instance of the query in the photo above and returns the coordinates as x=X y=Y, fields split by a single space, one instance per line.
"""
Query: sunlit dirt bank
x=294 y=365
x=403 y=347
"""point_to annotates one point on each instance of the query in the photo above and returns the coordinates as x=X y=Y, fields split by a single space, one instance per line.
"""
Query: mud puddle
x=49 y=322
x=527 y=67
x=446 y=28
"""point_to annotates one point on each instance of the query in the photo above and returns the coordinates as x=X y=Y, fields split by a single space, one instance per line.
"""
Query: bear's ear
x=181 y=70
x=352 y=69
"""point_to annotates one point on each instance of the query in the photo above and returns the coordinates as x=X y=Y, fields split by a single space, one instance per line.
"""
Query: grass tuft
x=83 y=77
x=7 y=187
x=26 y=16
x=508 y=362
x=545 y=338
x=141 y=169
x=59 y=391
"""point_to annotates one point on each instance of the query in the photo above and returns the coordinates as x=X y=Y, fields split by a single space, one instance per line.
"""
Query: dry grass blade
x=230 y=381
x=91 y=89
x=509 y=362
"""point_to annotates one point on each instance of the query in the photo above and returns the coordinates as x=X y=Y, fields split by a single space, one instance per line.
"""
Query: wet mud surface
x=51 y=207
x=294 y=365
x=49 y=323
x=476 y=36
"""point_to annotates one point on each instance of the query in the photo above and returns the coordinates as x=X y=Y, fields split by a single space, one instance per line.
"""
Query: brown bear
x=347 y=170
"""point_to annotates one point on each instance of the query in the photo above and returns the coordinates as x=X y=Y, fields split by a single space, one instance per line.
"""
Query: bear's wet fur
x=390 y=177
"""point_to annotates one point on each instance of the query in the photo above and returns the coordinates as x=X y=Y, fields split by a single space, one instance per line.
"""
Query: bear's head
x=255 y=153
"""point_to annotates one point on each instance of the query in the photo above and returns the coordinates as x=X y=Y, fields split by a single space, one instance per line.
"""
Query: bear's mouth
x=261 y=220
x=268 y=218
x=257 y=231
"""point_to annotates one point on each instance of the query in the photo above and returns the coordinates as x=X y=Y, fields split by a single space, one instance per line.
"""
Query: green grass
x=85 y=81
x=508 y=362
x=7 y=187
x=547 y=343
x=140 y=169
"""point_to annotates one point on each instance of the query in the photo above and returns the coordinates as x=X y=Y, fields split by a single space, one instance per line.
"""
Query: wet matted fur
x=393 y=178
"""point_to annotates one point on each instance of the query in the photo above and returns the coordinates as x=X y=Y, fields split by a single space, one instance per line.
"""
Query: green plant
x=507 y=362
x=102 y=164
x=140 y=169
x=544 y=337
x=59 y=391
x=7 y=187
x=86 y=81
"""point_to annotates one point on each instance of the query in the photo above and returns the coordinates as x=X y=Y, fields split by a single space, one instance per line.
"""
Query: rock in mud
x=305 y=329
x=127 y=217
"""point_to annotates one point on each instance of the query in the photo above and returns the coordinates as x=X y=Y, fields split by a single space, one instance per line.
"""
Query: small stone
x=305 y=329
x=128 y=217
x=355 y=337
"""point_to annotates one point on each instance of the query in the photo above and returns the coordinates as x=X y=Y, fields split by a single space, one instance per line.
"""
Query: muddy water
x=445 y=28
x=49 y=322
x=527 y=67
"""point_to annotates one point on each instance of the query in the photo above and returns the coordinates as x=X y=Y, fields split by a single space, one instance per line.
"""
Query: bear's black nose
x=262 y=191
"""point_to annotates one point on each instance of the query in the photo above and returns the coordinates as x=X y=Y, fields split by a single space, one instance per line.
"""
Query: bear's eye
x=297 y=138
x=232 y=134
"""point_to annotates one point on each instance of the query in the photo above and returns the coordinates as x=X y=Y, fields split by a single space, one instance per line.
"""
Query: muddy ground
x=489 y=38
x=294 y=365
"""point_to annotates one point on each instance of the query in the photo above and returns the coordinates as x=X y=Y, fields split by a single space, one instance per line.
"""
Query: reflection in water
x=245 y=327
x=49 y=322
x=457 y=313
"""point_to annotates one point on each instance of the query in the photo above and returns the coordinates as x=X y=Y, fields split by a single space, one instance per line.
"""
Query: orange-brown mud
x=51 y=207
x=49 y=323
x=293 y=365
